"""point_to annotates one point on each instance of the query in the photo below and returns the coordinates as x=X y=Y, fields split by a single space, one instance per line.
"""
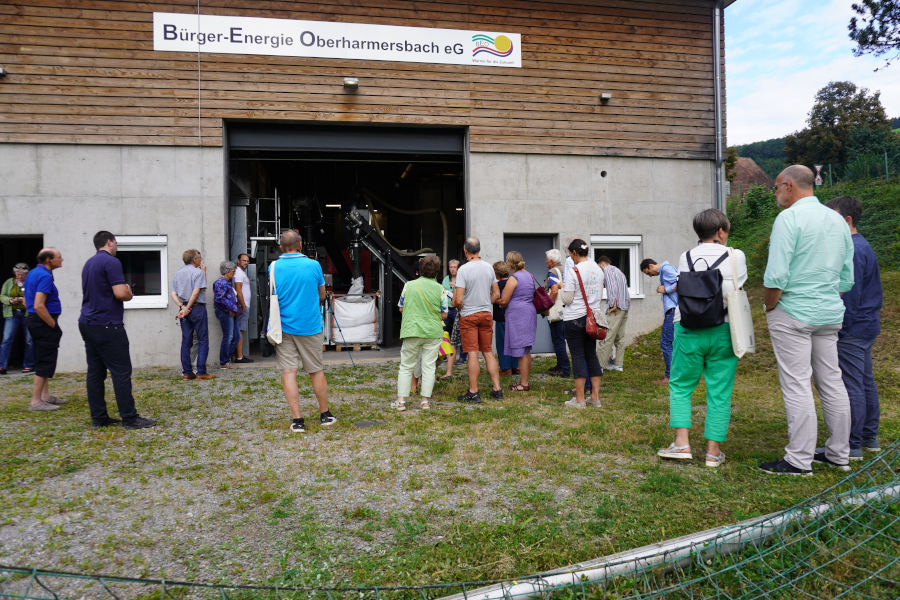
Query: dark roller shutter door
x=351 y=138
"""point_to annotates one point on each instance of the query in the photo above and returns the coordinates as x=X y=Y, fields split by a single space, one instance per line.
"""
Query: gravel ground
x=222 y=491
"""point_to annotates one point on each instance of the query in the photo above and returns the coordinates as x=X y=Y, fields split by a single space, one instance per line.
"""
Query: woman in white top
x=581 y=345
x=706 y=351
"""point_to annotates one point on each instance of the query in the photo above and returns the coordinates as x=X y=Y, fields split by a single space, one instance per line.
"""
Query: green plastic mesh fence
x=841 y=543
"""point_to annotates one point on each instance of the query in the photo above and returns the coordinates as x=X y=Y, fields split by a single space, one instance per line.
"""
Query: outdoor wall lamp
x=605 y=97
x=2 y=72
x=351 y=84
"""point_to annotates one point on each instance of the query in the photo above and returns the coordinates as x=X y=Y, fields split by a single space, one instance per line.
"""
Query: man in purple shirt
x=105 y=342
x=861 y=326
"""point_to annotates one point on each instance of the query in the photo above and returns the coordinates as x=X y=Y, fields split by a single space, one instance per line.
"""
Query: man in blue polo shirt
x=105 y=342
x=300 y=288
x=43 y=307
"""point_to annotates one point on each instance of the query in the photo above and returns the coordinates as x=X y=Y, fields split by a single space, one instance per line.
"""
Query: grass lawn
x=222 y=492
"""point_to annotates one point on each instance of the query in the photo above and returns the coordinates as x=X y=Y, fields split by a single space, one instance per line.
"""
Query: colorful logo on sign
x=498 y=46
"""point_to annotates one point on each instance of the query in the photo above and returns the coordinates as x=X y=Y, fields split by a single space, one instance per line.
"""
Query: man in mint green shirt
x=810 y=265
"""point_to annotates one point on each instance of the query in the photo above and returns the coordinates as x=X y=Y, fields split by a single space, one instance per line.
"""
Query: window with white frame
x=144 y=260
x=624 y=251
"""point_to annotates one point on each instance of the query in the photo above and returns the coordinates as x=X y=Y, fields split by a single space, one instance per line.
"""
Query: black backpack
x=700 y=295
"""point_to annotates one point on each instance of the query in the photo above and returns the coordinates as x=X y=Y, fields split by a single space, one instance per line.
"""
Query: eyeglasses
x=774 y=188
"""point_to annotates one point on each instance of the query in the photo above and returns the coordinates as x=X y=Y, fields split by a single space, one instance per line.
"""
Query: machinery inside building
x=367 y=217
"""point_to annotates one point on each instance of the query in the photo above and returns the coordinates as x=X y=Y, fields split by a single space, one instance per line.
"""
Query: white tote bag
x=556 y=311
x=739 y=318
x=273 y=328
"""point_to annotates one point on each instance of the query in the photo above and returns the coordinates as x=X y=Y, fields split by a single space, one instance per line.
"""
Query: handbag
x=556 y=311
x=446 y=348
x=591 y=327
x=541 y=299
x=273 y=327
x=740 y=321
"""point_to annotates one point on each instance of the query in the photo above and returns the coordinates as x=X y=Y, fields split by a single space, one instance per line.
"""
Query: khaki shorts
x=300 y=352
x=476 y=332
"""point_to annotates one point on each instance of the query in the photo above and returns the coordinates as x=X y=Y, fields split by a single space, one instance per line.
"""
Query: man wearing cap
x=12 y=296
x=43 y=307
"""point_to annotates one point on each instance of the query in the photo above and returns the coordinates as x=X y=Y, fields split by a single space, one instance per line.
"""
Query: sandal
x=675 y=452
x=445 y=378
x=399 y=405
x=714 y=461
x=425 y=404
x=518 y=387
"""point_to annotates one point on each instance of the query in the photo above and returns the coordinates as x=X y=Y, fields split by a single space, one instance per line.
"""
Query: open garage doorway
x=16 y=249
x=368 y=202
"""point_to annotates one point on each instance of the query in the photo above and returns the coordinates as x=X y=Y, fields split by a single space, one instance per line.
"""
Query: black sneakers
x=783 y=467
x=297 y=426
x=472 y=398
x=326 y=418
x=138 y=423
x=497 y=394
x=105 y=422
x=819 y=457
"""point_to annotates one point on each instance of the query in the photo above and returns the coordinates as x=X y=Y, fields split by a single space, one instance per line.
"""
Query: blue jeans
x=558 y=337
x=195 y=322
x=11 y=328
x=855 y=360
x=506 y=362
x=230 y=334
x=666 y=338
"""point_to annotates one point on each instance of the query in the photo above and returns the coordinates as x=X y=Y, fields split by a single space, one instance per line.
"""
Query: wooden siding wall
x=84 y=71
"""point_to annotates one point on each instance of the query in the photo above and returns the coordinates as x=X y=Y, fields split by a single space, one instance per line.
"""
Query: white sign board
x=178 y=32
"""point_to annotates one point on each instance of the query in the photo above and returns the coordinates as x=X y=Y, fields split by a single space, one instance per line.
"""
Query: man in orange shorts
x=475 y=293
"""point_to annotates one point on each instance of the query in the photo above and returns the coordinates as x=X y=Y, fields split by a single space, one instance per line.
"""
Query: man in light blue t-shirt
x=300 y=287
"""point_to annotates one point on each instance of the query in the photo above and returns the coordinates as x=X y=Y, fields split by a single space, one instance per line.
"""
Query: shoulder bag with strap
x=740 y=321
x=273 y=327
x=591 y=327
x=541 y=299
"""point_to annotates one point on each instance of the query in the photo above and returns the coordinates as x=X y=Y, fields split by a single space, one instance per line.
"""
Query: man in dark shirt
x=861 y=326
x=105 y=341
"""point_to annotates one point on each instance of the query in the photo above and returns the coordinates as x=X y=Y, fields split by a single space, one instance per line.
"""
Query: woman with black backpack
x=703 y=338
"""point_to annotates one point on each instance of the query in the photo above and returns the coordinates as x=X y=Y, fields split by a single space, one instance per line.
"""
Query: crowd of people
x=823 y=296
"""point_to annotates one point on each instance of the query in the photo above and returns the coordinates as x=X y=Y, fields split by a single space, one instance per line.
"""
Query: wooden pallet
x=350 y=347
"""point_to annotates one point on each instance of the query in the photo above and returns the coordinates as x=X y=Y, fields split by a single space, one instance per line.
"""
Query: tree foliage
x=768 y=155
x=844 y=121
x=876 y=30
x=730 y=163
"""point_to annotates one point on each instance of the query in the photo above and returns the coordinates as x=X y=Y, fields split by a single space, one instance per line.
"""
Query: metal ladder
x=268 y=221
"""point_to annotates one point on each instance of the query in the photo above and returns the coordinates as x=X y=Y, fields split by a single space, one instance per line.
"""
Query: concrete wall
x=68 y=192
x=568 y=196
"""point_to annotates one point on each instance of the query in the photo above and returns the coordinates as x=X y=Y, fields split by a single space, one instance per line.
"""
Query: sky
x=779 y=53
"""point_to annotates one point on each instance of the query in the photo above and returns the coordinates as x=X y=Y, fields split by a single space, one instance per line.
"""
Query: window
x=625 y=253
x=144 y=260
